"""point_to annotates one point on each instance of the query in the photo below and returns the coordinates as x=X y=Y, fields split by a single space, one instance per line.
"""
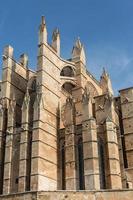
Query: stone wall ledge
x=125 y=194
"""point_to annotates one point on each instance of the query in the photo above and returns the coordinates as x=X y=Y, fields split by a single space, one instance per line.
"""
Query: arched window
x=67 y=71
x=81 y=164
x=101 y=163
x=68 y=87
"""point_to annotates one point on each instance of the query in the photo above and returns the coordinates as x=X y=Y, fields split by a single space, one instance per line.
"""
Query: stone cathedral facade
x=60 y=128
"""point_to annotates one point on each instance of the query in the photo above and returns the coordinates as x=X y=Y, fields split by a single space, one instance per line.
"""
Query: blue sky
x=105 y=27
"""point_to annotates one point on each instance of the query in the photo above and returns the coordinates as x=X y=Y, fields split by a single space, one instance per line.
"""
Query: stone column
x=8 y=148
x=70 y=148
x=24 y=144
x=113 y=173
x=90 y=146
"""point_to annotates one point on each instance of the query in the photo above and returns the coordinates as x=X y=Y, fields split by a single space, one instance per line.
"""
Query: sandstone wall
x=61 y=195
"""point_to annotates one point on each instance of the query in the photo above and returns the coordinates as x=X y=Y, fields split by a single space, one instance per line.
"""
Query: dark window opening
x=2 y=153
x=29 y=148
x=63 y=167
x=16 y=180
x=102 y=164
x=68 y=87
x=93 y=110
x=18 y=116
x=81 y=164
x=33 y=87
x=123 y=139
x=67 y=71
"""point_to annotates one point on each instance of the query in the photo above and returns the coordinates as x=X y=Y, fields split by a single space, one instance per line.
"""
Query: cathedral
x=61 y=130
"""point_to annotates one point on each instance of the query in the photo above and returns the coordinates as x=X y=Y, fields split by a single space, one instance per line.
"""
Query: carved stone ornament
x=12 y=104
x=63 y=115
x=39 y=100
x=126 y=100
x=85 y=125
x=24 y=127
x=9 y=138
x=38 y=88
x=69 y=101
x=107 y=101
x=66 y=108
x=70 y=129
x=1 y=109
x=26 y=99
x=4 y=103
x=86 y=96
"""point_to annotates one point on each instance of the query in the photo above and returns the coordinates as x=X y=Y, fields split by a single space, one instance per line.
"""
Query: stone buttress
x=70 y=146
x=44 y=139
x=105 y=117
x=90 y=145
x=126 y=97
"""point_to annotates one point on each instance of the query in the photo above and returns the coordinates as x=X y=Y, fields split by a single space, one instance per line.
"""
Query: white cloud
x=118 y=63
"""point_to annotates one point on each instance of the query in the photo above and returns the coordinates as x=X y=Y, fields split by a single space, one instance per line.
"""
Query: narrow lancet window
x=102 y=164
x=62 y=164
x=81 y=164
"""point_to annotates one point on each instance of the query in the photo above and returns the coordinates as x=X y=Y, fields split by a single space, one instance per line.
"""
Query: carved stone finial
x=43 y=24
x=105 y=83
x=42 y=32
x=56 y=41
x=24 y=60
x=104 y=72
x=55 y=34
x=78 y=52
x=43 y=20
x=78 y=43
